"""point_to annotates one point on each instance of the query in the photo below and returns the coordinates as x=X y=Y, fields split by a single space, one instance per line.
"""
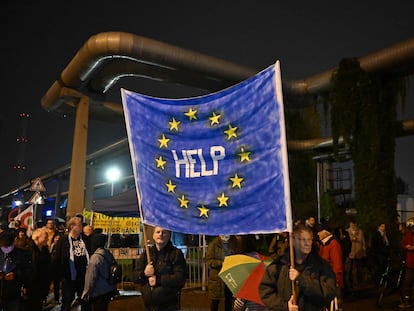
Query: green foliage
x=363 y=114
x=302 y=124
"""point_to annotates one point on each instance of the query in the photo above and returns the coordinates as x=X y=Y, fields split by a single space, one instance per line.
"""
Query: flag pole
x=144 y=231
x=292 y=265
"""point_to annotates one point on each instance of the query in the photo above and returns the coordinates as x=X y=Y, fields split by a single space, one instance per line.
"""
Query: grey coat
x=97 y=274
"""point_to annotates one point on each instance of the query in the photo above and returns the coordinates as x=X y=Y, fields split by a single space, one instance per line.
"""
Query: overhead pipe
x=107 y=57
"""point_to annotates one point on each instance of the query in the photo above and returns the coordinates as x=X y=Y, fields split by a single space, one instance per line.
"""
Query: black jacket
x=170 y=270
x=62 y=256
x=315 y=286
x=19 y=262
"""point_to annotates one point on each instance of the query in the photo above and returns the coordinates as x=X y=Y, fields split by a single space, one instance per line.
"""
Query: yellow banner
x=115 y=225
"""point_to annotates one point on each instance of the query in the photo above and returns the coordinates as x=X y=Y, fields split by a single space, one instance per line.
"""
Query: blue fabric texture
x=212 y=164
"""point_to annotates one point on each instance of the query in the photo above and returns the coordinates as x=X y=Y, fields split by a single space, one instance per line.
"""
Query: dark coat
x=170 y=270
x=21 y=265
x=61 y=259
x=214 y=259
x=380 y=246
x=315 y=286
x=42 y=275
x=39 y=286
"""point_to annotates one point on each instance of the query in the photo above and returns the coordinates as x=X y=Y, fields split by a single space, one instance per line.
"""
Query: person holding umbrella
x=248 y=247
x=220 y=247
x=305 y=283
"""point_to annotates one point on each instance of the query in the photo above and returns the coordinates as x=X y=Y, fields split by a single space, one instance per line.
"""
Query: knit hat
x=97 y=240
x=324 y=227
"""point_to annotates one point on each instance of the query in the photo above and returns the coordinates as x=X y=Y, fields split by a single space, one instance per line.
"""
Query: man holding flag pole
x=161 y=271
x=314 y=282
x=214 y=164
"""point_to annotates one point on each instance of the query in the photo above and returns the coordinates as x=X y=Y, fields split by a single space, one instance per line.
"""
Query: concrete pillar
x=78 y=165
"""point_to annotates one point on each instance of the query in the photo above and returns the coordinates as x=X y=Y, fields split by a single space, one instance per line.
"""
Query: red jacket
x=331 y=251
x=408 y=239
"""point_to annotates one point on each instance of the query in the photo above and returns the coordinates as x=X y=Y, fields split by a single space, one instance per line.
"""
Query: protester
x=279 y=244
x=218 y=248
x=22 y=240
x=331 y=251
x=408 y=281
x=381 y=250
x=296 y=221
x=56 y=279
x=310 y=223
x=356 y=256
x=247 y=246
x=87 y=231
x=72 y=258
x=38 y=288
x=50 y=229
x=98 y=291
x=163 y=276
x=313 y=278
x=16 y=270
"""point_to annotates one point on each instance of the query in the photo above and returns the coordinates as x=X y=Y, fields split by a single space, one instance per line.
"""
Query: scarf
x=384 y=237
x=73 y=273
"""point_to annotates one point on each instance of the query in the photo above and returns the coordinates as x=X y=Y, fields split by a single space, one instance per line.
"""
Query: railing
x=196 y=267
x=194 y=255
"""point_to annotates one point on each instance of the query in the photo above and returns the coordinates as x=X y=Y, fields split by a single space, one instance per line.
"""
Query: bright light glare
x=113 y=174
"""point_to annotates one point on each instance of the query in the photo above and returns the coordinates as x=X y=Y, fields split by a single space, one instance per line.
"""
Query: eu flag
x=214 y=164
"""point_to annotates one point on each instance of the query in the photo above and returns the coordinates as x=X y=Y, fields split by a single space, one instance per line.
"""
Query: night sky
x=40 y=38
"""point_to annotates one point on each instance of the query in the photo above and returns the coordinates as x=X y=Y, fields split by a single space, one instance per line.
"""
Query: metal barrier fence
x=196 y=267
x=195 y=257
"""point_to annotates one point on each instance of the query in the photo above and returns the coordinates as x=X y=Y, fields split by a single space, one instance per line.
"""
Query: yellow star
x=174 y=125
x=222 y=200
x=236 y=181
x=161 y=162
x=191 y=114
x=231 y=132
x=203 y=211
x=163 y=141
x=183 y=202
x=214 y=119
x=170 y=186
x=244 y=155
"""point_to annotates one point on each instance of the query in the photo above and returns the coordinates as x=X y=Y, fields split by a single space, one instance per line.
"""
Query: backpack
x=115 y=273
x=115 y=270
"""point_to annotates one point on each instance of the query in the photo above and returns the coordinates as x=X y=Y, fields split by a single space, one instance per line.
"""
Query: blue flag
x=214 y=164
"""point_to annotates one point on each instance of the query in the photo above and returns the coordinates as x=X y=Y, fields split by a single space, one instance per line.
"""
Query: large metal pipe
x=107 y=57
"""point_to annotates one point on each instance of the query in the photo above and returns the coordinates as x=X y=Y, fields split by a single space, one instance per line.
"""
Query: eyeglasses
x=305 y=240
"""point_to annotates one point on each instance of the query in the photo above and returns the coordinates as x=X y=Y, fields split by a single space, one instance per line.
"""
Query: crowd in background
x=54 y=260
x=54 y=266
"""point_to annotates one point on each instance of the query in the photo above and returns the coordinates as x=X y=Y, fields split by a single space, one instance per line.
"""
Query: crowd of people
x=57 y=262
x=323 y=265
x=330 y=263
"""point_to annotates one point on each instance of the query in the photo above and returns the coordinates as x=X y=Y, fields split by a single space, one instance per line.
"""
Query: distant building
x=405 y=206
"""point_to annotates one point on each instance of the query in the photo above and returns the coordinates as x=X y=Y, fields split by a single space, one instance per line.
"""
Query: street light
x=113 y=175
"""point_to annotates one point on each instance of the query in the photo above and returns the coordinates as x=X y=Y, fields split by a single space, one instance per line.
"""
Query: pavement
x=363 y=298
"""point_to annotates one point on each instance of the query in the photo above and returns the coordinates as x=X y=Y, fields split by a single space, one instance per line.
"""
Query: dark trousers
x=56 y=287
x=353 y=272
x=407 y=284
x=228 y=301
x=100 y=303
x=10 y=305
x=71 y=289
